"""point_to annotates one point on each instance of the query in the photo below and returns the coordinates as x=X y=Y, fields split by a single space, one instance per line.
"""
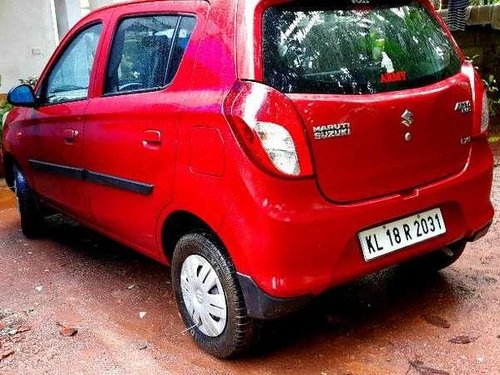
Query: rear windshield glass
x=366 y=49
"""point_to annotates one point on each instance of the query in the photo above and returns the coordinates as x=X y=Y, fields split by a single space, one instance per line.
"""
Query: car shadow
x=90 y=243
x=390 y=299
x=387 y=300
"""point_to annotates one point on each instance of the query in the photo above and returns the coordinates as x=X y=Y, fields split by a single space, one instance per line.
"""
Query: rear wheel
x=209 y=297
x=437 y=260
x=28 y=205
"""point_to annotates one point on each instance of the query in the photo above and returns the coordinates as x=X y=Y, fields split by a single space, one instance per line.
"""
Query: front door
x=57 y=124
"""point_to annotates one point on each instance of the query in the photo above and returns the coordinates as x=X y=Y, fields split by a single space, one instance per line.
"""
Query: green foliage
x=4 y=108
x=484 y=2
x=32 y=81
x=492 y=89
x=493 y=94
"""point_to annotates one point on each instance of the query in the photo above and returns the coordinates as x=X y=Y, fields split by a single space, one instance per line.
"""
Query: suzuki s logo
x=407 y=117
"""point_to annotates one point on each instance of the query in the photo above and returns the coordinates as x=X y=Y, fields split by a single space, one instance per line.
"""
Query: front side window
x=69 y=80
x=146 y=53
x=346 y=49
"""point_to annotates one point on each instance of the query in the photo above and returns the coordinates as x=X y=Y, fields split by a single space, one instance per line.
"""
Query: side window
x=146 y=53
x=70 y=77
x=186 y=27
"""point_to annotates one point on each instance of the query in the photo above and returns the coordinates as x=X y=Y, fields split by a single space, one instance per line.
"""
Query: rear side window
x=146 y=53
x=346 y=49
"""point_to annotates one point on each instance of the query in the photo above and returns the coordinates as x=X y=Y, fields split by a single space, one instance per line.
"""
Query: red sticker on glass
x=393 y=77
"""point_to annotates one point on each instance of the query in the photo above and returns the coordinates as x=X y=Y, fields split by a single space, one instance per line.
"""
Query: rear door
x=132 y=124
x=380 y=91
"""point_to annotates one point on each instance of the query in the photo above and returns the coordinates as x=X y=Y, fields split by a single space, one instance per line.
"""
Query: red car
x=266 y=150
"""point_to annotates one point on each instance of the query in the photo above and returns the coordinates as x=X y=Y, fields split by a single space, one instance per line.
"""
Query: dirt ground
x=387 y=323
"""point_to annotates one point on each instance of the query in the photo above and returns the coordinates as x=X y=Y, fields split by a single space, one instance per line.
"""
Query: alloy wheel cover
x=203 y=295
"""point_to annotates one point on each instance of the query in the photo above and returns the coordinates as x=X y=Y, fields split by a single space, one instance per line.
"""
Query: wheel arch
x=180 y=223
x=8 y=164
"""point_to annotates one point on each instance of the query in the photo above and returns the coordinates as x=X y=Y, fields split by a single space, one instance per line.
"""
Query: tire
x=203 y=272
x=436 y=260
x=28 y=205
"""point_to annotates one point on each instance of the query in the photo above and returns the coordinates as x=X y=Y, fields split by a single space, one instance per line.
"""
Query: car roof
x=125 y=3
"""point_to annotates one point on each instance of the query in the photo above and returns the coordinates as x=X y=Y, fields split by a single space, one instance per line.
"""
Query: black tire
x=28 y=205
x=437 y=260
x=240 y=331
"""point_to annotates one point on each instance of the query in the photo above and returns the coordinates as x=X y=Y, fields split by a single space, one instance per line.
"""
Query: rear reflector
x=485 y=114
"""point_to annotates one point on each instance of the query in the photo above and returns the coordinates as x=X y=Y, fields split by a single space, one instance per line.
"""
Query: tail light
x=485 y=114
x=269 y=129
x=480 y=106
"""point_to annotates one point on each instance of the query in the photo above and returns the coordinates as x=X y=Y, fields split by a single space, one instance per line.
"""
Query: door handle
x=70 y=135
x=152 y=138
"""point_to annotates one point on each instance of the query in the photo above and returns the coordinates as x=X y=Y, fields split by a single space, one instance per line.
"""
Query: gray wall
x=27 y=39
x=68 y=12
x=30 y=30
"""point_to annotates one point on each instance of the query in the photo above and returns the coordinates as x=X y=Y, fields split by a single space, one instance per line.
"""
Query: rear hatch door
x=380 y=90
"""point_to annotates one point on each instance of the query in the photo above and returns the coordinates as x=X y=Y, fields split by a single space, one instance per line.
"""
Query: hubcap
x=203 y=296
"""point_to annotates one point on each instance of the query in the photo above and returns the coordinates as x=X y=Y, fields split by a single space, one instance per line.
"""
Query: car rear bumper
x=290 y=242
x=261 y=305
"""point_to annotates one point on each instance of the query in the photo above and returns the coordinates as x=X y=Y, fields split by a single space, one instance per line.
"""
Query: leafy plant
x=32 y=81
x=483 y=2
x=493 y=94
x=492 y=89
x=4 y=108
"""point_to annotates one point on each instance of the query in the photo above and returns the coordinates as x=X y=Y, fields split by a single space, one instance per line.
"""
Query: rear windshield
x=346 y=49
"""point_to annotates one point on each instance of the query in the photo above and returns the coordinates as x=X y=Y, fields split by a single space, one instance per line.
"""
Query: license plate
x=399 y=234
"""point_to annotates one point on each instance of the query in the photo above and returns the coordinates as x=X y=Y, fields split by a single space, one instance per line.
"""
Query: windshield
x=354 y=50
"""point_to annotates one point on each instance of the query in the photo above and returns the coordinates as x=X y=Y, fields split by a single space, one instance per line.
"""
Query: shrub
x=4 y=108
x=493 y=94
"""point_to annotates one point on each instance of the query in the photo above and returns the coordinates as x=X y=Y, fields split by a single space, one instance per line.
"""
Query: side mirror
x=22 y=96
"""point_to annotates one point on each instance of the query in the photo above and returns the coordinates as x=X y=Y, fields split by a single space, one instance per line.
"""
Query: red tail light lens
x=480 y=101
x=269 y=129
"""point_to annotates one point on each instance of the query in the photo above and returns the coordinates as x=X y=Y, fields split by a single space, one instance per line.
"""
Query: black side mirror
x=22 y=96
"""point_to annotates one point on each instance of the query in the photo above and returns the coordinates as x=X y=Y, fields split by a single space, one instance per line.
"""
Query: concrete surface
x=383 y=324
